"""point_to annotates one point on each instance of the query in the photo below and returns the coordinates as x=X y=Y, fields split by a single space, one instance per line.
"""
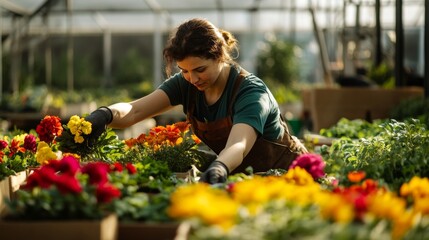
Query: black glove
x=99 y=119
x=217 y=172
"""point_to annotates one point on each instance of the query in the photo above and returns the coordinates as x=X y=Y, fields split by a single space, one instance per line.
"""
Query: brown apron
x=263 y=156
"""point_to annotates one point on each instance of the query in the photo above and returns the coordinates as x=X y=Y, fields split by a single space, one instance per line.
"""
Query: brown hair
x=199 y=38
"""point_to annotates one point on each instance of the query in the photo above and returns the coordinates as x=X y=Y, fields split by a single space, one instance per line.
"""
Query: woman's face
x=200 y=72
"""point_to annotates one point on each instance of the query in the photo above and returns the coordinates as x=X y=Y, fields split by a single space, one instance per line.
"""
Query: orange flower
x=356 y=176
x=183 y=126
x=131 y=142
x=196 y=139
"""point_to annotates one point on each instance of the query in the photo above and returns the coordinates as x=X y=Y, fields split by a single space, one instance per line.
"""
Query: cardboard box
x=326 y=106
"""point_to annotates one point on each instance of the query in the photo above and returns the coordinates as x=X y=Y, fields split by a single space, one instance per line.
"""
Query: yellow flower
x=417 y=188
x=44 y=153
x=298 y=176
x=335 y=207
x=77 y=126
x=211 y=206
x=86 y=127
x=78 y=138
x=402 y=224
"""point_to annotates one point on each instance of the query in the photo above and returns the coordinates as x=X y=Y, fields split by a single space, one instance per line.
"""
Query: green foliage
x=394 y=156
x=107 y=147
x=179 y=158
x=133 y=68
x=278 y=63
x=283 y=93
x=381 y=74
x=356 y=128
x=417 y=107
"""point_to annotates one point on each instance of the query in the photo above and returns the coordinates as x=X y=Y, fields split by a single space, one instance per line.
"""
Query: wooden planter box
x=326 y=106
x=158 y=231
x=16 y=181
x=104 y=229
x=4 y=195
x=8 y=188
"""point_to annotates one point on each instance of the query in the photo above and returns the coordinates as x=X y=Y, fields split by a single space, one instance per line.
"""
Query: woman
x=230 y=110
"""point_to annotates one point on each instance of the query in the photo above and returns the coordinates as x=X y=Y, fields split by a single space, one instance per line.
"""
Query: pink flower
x=3 y=144
x=312 y=163
x=97 y=172
x=30 y=143
x=69 y=165
x=106 y=193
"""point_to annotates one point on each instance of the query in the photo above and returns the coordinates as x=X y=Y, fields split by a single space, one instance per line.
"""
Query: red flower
x=49 y=128
x=131 y=168
x=43 y=177
x=106 y=193
x=117 y=167
x=97 y=172
x=54 y=164
x=68 y=184
x=30 y=143
x=69 y=165
x=312 y=163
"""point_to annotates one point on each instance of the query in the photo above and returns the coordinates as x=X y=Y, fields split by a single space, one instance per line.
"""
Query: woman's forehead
x=191 y=63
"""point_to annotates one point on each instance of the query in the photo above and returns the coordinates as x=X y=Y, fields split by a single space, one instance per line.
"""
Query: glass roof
x=89 y=16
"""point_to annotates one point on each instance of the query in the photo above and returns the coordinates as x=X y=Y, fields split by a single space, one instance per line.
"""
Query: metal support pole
x=378 y=52
x=399 y=47
x=70 y=57
x=426 y=50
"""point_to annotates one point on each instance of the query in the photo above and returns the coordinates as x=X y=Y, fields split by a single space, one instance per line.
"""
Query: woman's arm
x=240 y=141
x=127 y=114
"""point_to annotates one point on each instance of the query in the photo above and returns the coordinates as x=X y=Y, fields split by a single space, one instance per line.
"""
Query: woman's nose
x=193 y=78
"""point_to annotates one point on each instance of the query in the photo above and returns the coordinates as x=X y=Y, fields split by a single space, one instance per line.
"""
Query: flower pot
x=103 y=229
x=189 y=176
x=159 y=231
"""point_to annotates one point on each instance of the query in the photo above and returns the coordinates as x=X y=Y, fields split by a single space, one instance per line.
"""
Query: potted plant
x=17 y=153
x=173 y=144
x=64 y=198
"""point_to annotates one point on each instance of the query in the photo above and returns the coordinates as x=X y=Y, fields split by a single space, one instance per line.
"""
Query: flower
x=17 y=153
x=79 y=126
x=212 y=206
x=44 y=153
x=356 y=176
x=72 y=190
x=76 y=139
x=173 y=144
x=312 y=163
x=49 y=128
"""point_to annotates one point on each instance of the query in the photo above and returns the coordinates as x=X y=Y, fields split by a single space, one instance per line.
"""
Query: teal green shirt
x=254 y=104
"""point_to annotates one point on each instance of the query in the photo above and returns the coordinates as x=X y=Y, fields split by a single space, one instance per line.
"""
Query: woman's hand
x=99 y=119
x=217 y=172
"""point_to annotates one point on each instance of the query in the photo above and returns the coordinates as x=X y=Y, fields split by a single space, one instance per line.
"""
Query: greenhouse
x=214 y=119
